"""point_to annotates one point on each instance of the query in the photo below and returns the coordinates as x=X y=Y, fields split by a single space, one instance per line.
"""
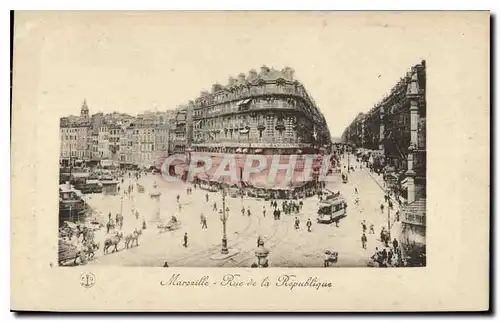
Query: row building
x=115 y=138
x=394 y=131
x=266 y=113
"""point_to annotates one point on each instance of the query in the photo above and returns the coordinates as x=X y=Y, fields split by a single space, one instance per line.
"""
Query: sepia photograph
x=251 y=172
x=271 y=155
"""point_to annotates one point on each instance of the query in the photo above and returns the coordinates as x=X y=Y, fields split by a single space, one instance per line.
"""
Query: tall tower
x=84 y=112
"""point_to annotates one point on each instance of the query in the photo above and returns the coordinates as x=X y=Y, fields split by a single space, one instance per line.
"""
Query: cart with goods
x=331 y=258
x=140 y=188
x=172 y=224
x=70 y=253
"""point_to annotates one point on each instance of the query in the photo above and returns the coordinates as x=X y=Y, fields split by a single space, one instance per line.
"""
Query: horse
x=90 y=248
x=112 y=241
x=133 y=237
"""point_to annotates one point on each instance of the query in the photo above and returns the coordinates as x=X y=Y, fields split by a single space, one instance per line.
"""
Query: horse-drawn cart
x=172 y=224
x=331 y=258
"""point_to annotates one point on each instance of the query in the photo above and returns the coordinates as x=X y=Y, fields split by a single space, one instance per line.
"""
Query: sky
x=133 y=62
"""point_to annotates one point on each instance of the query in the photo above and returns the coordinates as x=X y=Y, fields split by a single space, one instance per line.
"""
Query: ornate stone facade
x=396 y=127
x=258 y=113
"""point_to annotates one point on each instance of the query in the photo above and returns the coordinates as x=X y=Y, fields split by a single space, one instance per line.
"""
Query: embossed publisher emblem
x=87 y=280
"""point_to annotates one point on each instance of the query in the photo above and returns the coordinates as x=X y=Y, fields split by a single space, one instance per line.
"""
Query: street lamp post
x=223 y=218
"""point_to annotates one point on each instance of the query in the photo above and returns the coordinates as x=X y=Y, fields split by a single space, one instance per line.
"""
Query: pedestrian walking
x=180 y=207
x=356 y=190
x=382 y=208
x=206 y=197
x=309 y=224
x=397 y=215
x=372 y=228
x=243 y=211
x=260 y=241
x=203 y=221
x=297 y=223
x=363 y=224
x=264 y=211
x=215 y=206
x=178 y=198
x=384 y=254
x=395 y=245
x=389 y=257
x=248 y=212
x=185 y=240
x=363 y=241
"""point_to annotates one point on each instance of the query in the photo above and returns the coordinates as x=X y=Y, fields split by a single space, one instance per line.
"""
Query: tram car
x=332 y=209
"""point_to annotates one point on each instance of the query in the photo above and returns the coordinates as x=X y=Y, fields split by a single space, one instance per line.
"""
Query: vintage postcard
x=250 y=161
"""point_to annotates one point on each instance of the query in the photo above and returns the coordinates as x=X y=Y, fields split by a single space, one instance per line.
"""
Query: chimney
x=231 y=81
x=252 y=74
x=241 y=78
x=216 y=87
x=288 y=72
